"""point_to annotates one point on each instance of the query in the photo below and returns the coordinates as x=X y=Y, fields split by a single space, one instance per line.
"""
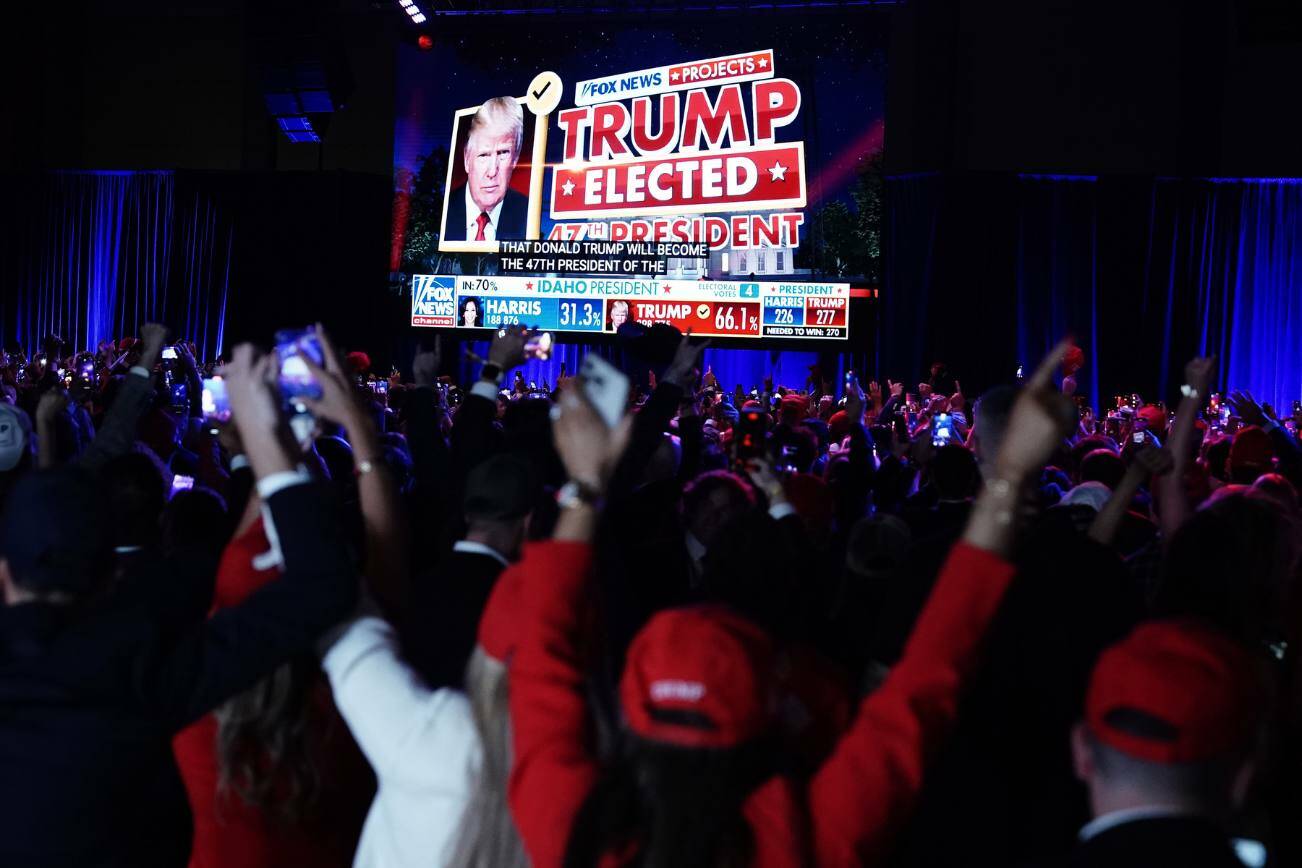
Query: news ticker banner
x=732 y=309
x=595 y=257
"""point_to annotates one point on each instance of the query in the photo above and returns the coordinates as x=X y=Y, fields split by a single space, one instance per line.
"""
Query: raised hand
x=425 y=364
x=760 y=471
x=52 y=403
x=924 y=391
x=854 y=401
x=1040 y=419
x=1153 y=461
x=687 y=358
x=897 y=389
x=957 y=401
x=153 y=336
x=507 y=349
x=588 y=448
x=338 y=402
x=1198 y=373
x=1246 y=408
x=186 y=357
x=250 y=377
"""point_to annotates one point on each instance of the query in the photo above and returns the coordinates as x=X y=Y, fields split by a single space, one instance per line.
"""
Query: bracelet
x=575 y=494
x=366 y=466
x=1189 y=391
x=1001 y=488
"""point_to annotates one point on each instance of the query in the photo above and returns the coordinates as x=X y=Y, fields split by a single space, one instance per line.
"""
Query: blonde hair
x=500 y=111
x=488 y=837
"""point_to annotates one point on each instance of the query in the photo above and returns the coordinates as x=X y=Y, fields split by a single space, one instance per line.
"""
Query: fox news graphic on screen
x=559 y=175
x=603 y=304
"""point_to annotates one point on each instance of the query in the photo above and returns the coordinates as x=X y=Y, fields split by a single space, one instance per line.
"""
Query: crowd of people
x=414 y=622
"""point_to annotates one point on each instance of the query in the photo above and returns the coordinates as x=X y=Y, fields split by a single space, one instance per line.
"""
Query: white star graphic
x=777 y=172
x=673 y=76
x=568 y=187
x=763 y=62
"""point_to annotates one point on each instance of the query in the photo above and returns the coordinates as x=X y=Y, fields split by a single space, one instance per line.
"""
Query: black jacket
x=511 y=220
x=1189 y=842
x=443 y=622
x=90 y=697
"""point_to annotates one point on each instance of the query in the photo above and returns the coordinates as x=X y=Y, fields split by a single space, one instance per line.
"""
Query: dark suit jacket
x=90 y=697
x=510 y=222
x=1189 y=842
x=443 y=624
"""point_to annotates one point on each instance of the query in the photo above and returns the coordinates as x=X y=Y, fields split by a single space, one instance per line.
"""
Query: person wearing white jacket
x=421 y=743
x=441 y=757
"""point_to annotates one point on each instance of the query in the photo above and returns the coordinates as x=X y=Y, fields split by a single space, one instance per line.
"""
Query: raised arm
x=383 y=520
x=472 y=431
x=1149 y=462
x=1175 y=506
x=652 y=421
x=869 y=784
x=388 y=708
x=212 y=661
x=118 y=433
x=555 y=764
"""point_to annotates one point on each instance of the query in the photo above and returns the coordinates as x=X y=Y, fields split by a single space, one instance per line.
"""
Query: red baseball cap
x=500 y=625
x=1174 y=692
x=795 y=407
x=1251 y=449
x=813 y=501
x=838 y=426
x=699 y=677
x=1154 y=416
x=1072 y=360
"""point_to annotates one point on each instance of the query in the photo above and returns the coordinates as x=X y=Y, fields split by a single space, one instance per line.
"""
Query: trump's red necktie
x=482 y=221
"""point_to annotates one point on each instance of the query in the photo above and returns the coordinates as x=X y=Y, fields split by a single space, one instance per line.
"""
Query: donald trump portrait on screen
x=486 y=208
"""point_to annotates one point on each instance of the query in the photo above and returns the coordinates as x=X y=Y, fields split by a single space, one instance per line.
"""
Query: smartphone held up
x=296 y=380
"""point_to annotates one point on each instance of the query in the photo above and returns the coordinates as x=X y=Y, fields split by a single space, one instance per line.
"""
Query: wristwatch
x=575 y=494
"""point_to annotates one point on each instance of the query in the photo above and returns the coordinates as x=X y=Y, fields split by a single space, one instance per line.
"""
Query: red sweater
x=227 y=831
x=860 y=794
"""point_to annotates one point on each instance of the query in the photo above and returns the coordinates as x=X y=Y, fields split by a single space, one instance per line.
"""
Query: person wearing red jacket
x=693 y=782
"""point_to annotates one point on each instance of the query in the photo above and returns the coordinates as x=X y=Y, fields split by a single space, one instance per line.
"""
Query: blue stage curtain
x=986 y=271
x=914 y=206
x=1057 y=271
x=1231 y=260
x=91 y=255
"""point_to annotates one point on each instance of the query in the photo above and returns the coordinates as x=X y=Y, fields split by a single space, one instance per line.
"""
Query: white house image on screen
x=733 y=263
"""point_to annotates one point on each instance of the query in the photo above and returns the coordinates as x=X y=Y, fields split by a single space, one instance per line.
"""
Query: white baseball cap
x=15 y=436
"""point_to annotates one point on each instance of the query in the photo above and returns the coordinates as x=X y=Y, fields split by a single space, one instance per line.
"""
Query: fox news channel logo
x=618 y=86
x=434 y=297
